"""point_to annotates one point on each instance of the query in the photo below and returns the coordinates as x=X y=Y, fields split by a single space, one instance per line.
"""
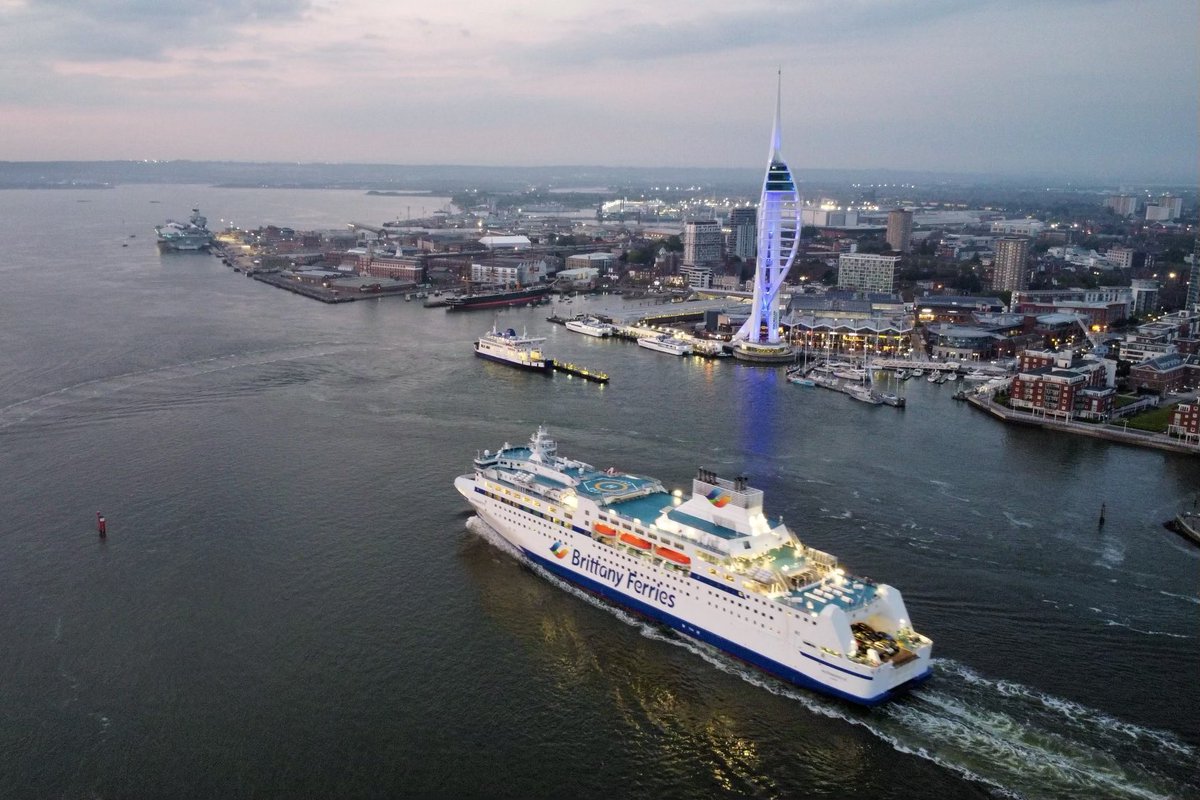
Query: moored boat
x=665 y=343
x=191 y=235
x=494 y=299
x=589 y=326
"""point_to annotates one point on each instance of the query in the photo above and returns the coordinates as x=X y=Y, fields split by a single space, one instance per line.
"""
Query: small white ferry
x=712 y=565
x=666 y=343
x=506 y=347
x=589 y=326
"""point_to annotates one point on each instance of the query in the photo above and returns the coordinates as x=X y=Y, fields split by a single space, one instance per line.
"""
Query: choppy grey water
x=293 y=601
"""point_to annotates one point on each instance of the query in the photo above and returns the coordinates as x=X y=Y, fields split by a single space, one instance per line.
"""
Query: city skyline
x=1087 y=88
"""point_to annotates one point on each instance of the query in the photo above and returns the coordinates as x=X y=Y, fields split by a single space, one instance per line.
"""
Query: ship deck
x=849 y=595
x=602 y=487
x=704 y=525
x=642 y=509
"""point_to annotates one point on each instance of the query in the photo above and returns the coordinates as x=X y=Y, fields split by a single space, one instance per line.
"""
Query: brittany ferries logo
x=718 y=498
x=559 y=549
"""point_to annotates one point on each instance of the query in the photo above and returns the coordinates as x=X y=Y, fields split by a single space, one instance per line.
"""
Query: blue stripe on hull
x=766 y=664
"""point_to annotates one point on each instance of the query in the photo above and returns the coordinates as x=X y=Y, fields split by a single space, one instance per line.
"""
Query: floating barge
x=581 y=372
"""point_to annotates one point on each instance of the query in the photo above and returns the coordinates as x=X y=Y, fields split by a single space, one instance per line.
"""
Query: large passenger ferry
x=711 y=565
x=506 y=347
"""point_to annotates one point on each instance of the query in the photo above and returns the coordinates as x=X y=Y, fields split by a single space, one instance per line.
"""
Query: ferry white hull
x=674 y=348
x=600 y=331
x=783 y=640
x=516 y=351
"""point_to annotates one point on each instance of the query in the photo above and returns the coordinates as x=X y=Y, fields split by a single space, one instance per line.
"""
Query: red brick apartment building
x=1185 y=422
x=1060 y=385
x=1166 y=373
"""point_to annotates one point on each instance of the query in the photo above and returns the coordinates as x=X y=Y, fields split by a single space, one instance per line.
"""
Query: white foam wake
x=1015 y=739
x=114 y=384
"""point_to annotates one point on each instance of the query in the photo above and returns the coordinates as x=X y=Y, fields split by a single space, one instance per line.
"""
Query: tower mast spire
x=777 y=129
x=759 y=338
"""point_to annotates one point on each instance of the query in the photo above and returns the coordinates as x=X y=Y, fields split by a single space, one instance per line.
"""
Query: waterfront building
x=1185 y=421
x=1165 y=373
x=577 y=278
x=743 y=232
x=867 y=272
x=510 y=271
x=759 y=338
x=408 y=269
x=1100 y=308
x=702 y=243
x=820 y=335
x=955 y=308
x=1062 y=384
x=964 y=343
x=899 y=230
x=503 y=242
x=603 y=263
x=846 y=303
x=1011 y=264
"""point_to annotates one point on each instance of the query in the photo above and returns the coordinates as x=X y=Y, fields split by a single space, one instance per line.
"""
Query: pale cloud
x=1008 y=85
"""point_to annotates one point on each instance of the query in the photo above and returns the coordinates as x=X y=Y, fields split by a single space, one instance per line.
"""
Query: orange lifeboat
x=607 y=531
x=673 y=556
x=635 y=541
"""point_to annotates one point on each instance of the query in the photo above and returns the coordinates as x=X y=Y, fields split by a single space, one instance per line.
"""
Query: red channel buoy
x=101 y=525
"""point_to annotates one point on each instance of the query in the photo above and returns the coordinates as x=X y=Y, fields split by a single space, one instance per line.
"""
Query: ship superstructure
x=191 y=235
x=711 y=565
x=507 y=347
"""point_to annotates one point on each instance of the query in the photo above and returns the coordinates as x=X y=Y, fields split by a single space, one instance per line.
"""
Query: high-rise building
x=702 y=243
x=1173 y=205
x=760 y=337
x=1145 y=295
x=1166 y=208
x=743 y=232
x=1193 y=292
x=867 y=272
x=697 y=277
x=1011 y=264
x=899 y=230
x=1124 y=205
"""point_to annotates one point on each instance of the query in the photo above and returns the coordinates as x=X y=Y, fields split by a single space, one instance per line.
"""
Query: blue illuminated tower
x=778 y=235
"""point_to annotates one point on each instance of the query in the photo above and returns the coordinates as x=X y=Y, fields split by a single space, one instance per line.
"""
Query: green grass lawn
x=1155 y=420
x=1122 y=400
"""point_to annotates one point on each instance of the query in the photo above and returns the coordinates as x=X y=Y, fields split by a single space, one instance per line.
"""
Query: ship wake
x=1014 y=739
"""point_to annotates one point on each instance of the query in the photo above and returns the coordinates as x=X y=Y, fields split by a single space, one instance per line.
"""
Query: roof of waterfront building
x=965 y=332
x=861 y=325
x=1057 y=319
x=943 y=300
x=505 y=241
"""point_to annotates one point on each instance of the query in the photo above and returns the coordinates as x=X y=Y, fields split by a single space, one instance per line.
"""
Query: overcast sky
x=1105 y=88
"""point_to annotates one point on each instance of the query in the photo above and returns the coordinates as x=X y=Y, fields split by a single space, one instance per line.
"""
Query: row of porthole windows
x=672 y=577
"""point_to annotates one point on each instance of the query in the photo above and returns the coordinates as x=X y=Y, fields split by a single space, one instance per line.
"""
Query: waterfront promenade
x=1112 y=433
